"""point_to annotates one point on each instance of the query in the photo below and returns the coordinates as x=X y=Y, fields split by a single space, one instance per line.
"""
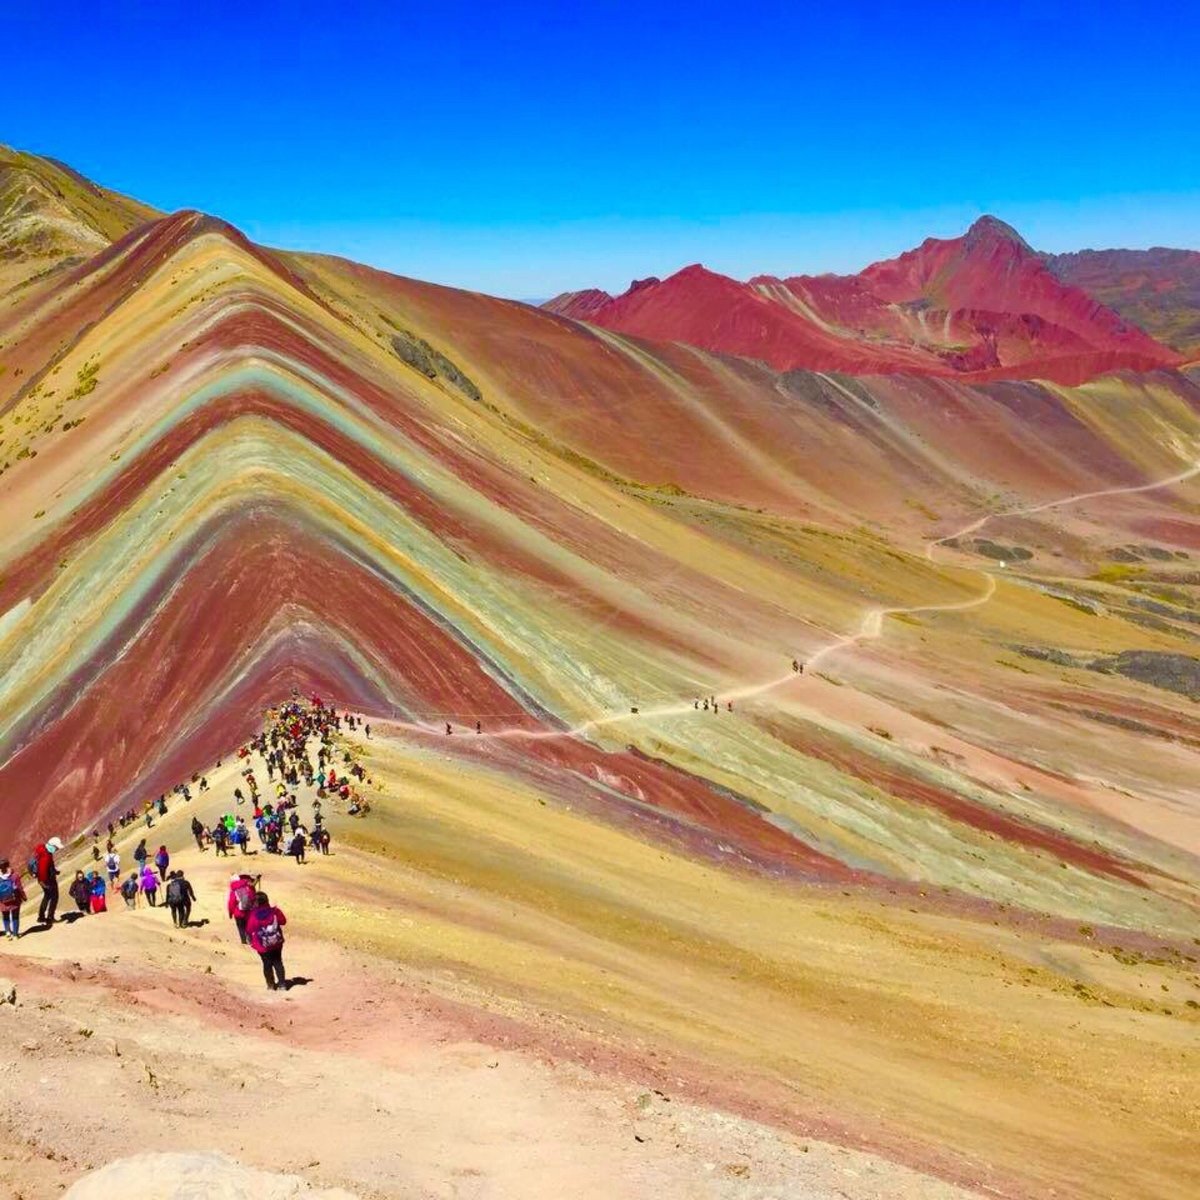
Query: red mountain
x=1158 y=289
x=984 y=305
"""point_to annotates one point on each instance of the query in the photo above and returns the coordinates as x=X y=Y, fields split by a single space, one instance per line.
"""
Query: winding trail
x=870 y=628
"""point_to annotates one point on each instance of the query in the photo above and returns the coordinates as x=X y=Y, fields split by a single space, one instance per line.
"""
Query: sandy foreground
x=480 y=1011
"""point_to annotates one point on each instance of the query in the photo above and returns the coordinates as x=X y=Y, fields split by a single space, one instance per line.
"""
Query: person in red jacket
x=240 y=901
x=265 y=929
x=47 y=876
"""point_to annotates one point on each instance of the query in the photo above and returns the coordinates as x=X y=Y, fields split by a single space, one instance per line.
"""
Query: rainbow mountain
x=228 y=473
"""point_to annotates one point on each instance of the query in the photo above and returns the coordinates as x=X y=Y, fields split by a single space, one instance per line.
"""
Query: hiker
x=264 y=925
x=324 y=841
x=449 y=731
x=12 y=896
x=198 y=833
x=129 y=890
x=296 y=848
x=162 y=860
x=81 y=892
x=112 y=864
x=220 y=838
x=141 y=854
x=478 y=726
x=240 y=902
x=43 y=867
x=150 y=885
x=180 y=896
x=98 y=900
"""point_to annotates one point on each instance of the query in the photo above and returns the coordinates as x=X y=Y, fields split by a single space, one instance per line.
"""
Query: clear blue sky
x=528 y=148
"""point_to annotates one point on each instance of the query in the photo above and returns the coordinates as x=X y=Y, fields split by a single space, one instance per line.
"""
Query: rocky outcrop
x=189 y=1176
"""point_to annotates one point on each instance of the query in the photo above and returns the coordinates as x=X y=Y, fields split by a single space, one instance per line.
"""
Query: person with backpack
x=220 y=837
x=198 y=833
x=129 y=889
x=42 y=867
x=180 y=895
x=264 y=926
x=150 y=885
x=162 y=860
x=296 y=848
x=81 y=892
x=99 y=892
x=239 y=902
x=141 y=854
x=12 y=896
x=113 y=865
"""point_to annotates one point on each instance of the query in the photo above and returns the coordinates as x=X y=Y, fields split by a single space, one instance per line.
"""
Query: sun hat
x=54 y=845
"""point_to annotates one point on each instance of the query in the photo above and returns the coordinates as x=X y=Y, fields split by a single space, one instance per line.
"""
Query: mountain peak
x=988 y=228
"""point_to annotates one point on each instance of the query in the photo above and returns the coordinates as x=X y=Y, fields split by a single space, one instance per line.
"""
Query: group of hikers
x=299 y=744
x=258 y=922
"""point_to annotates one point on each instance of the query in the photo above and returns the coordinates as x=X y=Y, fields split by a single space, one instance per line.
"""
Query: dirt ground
x=494 y=996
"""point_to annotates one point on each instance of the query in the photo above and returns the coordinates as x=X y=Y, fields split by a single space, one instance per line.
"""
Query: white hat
x=54 y=845
x=235 y=879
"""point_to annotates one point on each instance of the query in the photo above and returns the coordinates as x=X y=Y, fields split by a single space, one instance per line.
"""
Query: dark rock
x=1049 y=654
x=1179 y=673
x=1164 y=610
x=417 y=353
x=1001 y=553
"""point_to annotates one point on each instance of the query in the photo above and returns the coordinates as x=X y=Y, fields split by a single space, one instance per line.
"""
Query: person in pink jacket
x=264 y=927
x=240 y=901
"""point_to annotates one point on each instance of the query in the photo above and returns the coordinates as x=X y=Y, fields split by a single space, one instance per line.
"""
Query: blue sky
x=528 y=148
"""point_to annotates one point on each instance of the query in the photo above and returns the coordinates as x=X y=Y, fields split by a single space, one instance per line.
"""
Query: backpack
x=175 y=894
x=113 y=863
x=243 y=897
x=270 y=936
x=32 y=864
x=8 y=889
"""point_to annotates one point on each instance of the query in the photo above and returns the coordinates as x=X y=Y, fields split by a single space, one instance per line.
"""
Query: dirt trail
x=870 y=628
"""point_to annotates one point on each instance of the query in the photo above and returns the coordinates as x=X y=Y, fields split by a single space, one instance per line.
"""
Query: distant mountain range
x=981 y=306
